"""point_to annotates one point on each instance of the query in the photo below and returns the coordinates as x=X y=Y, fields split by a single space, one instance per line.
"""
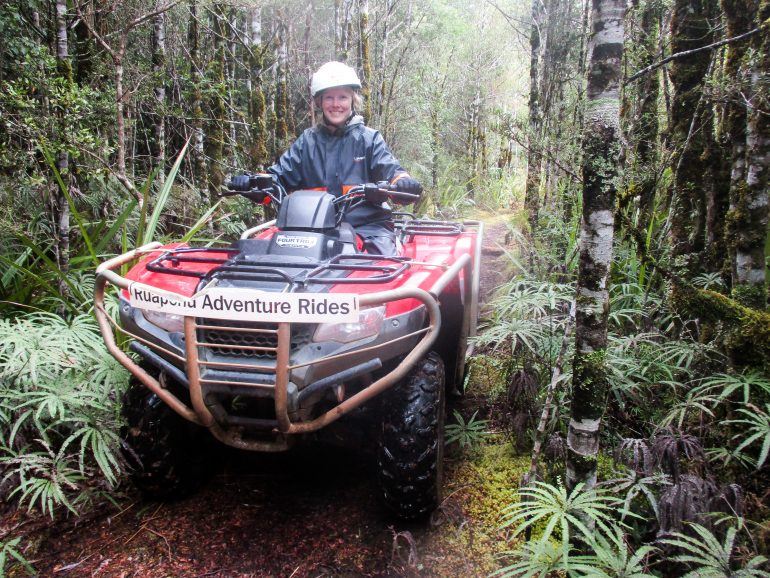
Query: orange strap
x=398 y=177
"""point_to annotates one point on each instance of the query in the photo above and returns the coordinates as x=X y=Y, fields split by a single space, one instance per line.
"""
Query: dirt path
x=308 y=513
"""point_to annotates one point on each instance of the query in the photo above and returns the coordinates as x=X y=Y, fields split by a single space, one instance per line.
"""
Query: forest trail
x=309 y=513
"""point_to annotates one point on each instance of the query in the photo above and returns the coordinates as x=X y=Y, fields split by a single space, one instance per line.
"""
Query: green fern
x=757 y=424
x=614 y=559
x=9 y=551
x=467 y=434
x=578 y=514
x=58 y=413
x=709 y=558
x=724 y=385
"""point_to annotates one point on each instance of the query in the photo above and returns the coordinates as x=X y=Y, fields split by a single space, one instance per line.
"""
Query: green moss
x=489 y=483
x=745 y=332
x=589 y=399
x=753 y=296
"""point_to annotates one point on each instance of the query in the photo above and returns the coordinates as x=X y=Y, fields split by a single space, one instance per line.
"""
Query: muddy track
x=308 y=513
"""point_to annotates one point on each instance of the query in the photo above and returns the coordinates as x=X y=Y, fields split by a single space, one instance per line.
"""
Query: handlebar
x=261 y=188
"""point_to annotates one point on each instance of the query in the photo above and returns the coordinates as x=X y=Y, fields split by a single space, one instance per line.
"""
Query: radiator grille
x=224 y=340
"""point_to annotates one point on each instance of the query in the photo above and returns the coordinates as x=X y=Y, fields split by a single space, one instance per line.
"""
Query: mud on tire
x=411 y=450
x=166 y=454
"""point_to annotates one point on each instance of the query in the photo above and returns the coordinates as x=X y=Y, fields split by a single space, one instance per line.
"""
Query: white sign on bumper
x=249 y=305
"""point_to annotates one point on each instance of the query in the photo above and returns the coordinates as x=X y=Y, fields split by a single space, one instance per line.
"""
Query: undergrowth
x=686 y=434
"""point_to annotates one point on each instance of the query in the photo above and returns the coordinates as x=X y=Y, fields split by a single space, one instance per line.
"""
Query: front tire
x=411 y=451
x=165 y=452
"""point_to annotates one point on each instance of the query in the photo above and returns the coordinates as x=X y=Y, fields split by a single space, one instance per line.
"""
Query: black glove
x=240 y=183
x=409 y=185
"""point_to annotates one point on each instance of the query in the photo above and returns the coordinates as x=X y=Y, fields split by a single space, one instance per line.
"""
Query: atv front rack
x=200 y=412
x=170 y=262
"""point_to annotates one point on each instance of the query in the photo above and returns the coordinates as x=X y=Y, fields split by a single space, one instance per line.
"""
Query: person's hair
x=358 y=101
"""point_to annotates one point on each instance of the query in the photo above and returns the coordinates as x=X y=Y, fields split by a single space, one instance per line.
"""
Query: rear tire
x=411 y=451
x=167 y=454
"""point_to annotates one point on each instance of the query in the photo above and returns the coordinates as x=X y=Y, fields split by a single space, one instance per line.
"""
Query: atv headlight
x=368 y=325
x=168 y=321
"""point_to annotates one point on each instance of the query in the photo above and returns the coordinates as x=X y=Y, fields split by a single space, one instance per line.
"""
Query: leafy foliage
x=9 y=552
x=757 y=424
x=577 y=514
x=710 y=558
x=58 y=415
x=467 y=434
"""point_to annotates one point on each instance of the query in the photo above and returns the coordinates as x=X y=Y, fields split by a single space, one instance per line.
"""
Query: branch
x=94 y=33
x=548 y=153
x=122 y=179
x=123 y=31
x=684 y=53
x=160 y=10
x=510 y=19
x=531 y=475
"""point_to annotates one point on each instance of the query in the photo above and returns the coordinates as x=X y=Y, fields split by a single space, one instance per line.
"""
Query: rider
x=340 y=152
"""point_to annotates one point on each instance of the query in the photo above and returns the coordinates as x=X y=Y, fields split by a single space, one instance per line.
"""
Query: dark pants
x=378 y=238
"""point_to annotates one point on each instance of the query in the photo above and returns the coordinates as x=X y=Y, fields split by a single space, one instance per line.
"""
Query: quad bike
x=287 y=330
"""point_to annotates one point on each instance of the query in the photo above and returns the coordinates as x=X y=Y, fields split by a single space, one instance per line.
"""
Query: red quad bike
x=287 y=330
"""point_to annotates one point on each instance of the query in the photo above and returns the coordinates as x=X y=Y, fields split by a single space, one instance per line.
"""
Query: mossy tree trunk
x=196 y=104
x=159 y=91
x=366 y=60
x=257 y=105
x=749 y=199
x=646 y=121
x=281 y=130
x=307 y=60
x=231 y=64
x=216 y=76
x=343 y=28
x=534 y=157
x=382 y=67
x=600 y=164
x=690 y=123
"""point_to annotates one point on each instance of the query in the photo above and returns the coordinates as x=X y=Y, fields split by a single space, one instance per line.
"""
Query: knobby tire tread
x=412 y=441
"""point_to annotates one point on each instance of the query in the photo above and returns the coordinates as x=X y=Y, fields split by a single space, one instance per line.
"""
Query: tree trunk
x=196 y=105
x=600 y=159
x=120 y=138
x=216 y=134
x=532 y=188
x=306 y=51
x=690 y=121
x=382 y=68
x=751 y=210
x=647 y=96
x=159 y=91
x=258 y=120
x=61 y=205
x=230 y=67
x=281 y=88
x=366 y=61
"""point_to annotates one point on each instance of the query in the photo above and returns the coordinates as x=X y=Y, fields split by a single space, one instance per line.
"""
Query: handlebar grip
x=401 y=196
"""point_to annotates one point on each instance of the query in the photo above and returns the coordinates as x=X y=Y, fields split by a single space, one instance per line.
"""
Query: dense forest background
x=626 y=145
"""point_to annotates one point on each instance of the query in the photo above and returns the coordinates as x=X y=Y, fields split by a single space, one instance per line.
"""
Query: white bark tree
x=600 y=166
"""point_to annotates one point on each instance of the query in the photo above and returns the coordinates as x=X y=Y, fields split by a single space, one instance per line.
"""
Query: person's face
x=337 y=104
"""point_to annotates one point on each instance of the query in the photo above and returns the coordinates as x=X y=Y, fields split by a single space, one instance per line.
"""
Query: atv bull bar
x=201 y=412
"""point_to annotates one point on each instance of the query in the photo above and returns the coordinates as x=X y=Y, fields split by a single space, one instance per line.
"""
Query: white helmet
x=334 y=74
